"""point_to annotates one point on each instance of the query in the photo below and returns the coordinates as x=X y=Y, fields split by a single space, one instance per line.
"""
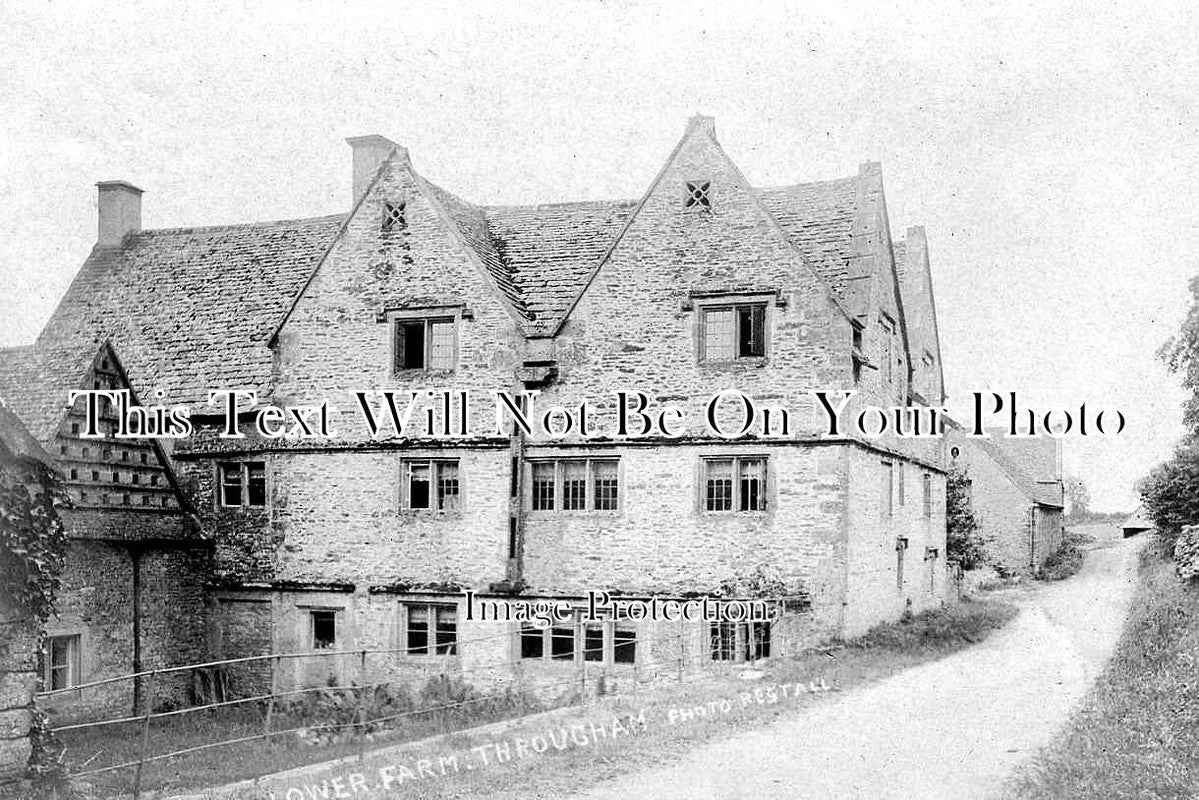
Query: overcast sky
x=1051 y=155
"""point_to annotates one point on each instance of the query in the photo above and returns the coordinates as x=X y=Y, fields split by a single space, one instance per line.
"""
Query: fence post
x=270 y=704
x=141 y=759
x=362 y=709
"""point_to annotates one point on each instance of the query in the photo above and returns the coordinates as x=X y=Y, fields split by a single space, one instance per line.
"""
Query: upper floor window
x=576 y=484
x=735 y=484
x=242 y=483
x=697 y=195
x=887 y=332
x=431 y=485
x=928 y=496
x=425 y=343
x=394 y=218
x=731 y=332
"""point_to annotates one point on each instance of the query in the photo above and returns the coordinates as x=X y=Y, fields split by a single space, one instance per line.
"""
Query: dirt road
x=954 y=728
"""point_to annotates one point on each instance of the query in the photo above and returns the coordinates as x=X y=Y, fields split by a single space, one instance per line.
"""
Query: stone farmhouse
x=1017 y=493
x=705 y=282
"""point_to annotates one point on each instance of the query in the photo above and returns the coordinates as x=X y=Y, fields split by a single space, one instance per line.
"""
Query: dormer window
x=697 y=195
x=393 y=216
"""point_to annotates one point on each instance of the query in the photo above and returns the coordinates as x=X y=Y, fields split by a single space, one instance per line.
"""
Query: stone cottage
x=132 y=596
x=1016 y=492
x=368 y=540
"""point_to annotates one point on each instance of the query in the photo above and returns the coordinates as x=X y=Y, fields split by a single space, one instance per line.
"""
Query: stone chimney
x=120 y=212
x=369 y=154
x=702 y=123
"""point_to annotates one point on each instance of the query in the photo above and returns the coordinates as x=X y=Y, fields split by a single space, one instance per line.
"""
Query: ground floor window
x=323 y=628
x=600 y=642
x=61 y=669
x=739 y=641
x=431 y=630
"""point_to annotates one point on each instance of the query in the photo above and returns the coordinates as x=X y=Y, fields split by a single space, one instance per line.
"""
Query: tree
x=963 y=543
x=1181 y=354
x=1171 y=492
x=1078 y=498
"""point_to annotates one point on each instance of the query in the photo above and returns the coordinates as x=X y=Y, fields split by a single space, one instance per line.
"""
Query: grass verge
x=1137 y=734
x=656 y=724
x=1068 y=558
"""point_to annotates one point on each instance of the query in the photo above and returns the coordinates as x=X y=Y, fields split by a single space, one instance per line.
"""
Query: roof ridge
x=559 y=204
x=274 y=223
x=780 y=186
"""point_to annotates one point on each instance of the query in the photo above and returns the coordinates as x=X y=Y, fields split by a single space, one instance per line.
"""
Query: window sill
x=422 y=372
x=572 y=513
x=752 y=362
x=429 y=513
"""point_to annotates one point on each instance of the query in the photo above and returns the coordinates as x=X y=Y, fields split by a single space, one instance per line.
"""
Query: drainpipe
x=135 y=557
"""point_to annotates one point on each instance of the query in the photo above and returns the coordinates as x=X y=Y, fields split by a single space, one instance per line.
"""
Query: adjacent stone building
x=704 y=283
x=1016 y=492
x=132 y=596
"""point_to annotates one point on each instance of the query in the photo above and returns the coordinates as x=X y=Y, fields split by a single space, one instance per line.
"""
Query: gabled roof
x=1042 y=493
x=191 y=309
x=16 y=442
x=1138 y=520
x=818 y=219
x=34 y=383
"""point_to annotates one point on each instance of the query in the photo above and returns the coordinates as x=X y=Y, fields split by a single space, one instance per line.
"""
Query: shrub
x=963 y=543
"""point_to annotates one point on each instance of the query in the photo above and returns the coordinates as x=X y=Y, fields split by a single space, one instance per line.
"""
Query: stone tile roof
x=551 y=250
x=818 y=218
x=34 y=383
x=16 y=442
x=190 y=309
x=1041 y=493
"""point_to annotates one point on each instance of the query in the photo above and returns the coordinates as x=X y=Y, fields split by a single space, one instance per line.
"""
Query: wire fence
x=356 y=705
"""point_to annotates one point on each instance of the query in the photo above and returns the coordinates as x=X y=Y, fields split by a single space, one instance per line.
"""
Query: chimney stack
x=120 y=212
x=369 y=154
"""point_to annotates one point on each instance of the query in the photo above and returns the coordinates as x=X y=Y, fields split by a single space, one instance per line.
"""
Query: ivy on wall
x=32 y=541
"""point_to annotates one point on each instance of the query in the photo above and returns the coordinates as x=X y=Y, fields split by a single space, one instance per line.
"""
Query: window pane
x=410 y=345
x=574 y=485
x=230 y=484
x=532 y=642
x=256 y=483
x=606 y=475
x=418 y=485
x=751 y=331
x=447 y=631
x=624 y=646
x=719 y=485
x=441 y=344
x=718 y=334
x=448 y=491
x=757 y=641
x=593 y=643
x=562 y=643
x=324 y=629
x=418 y=630
x=543 y=486
x=723 y=637
x=753 y=484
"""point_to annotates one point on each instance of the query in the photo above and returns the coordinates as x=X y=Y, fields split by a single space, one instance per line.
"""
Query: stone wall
x=19 y=634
